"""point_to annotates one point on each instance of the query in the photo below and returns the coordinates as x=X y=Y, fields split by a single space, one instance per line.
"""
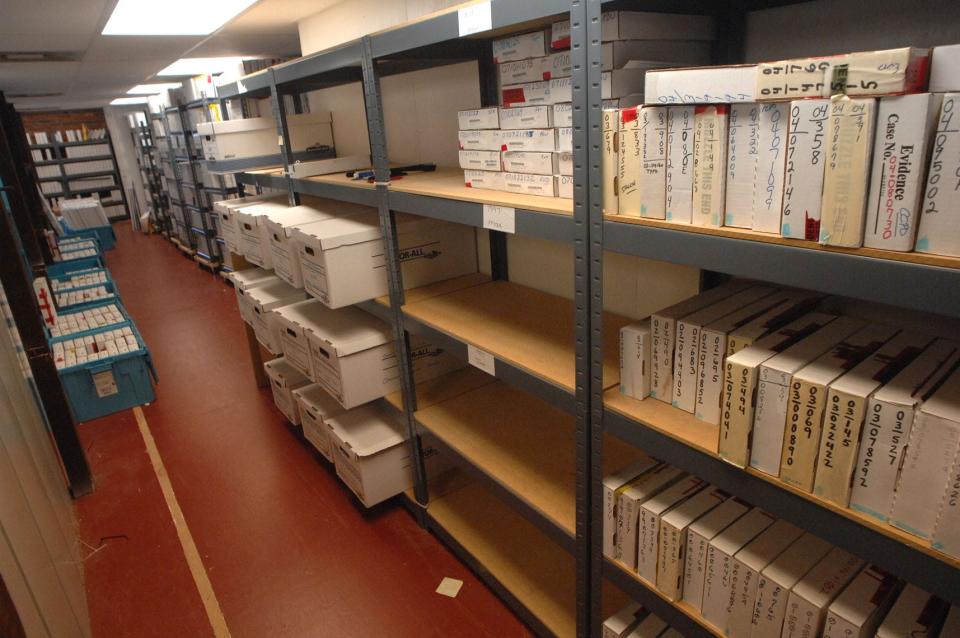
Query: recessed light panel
x=172 y=17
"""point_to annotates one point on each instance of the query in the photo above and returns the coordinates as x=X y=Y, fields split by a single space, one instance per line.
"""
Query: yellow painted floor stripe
x=209 y=598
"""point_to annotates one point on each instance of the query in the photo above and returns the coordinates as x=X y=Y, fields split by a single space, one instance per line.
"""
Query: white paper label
x=475 y=18
x=502 y=218
x=481 y=359
x=105 y=384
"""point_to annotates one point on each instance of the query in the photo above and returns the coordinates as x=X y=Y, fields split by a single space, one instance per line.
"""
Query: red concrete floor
x=287 y=549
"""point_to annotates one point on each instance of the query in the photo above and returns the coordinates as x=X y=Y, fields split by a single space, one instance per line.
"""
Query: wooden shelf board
x=447 y=183
x=525 y=327
x=687 y=429
x=444 y=287
x=341 y=179
x=535 y=570
x=767 y=238
x=523 y=443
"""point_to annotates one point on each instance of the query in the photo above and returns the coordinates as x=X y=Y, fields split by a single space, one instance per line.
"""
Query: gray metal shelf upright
x=435 y=41
x=59 y=151
x=151 y=174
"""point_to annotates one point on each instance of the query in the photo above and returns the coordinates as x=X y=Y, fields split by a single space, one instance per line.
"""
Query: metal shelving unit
x=61 y=159
x=578 y=401
x=152 y=175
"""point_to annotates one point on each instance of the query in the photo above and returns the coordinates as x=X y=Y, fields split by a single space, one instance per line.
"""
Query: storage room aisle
x=285 y=548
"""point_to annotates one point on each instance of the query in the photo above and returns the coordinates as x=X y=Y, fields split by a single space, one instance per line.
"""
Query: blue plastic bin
x=97 y=388
x=63 y=320
x=61 y=268
x=104 y=234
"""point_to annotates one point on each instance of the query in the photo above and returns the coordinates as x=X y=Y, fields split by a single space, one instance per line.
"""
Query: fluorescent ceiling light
x=122 y=101
x=172 y=17
x=199 y=66
x=153 y=89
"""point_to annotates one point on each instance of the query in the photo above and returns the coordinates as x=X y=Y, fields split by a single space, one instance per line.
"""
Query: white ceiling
x=104 y=67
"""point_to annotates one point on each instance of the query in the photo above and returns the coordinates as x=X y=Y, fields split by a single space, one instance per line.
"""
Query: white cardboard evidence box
x=370 y=452
x=284 y=378
x=253 y=137
x=342 y=259
x=316 y=406
x=263 y=299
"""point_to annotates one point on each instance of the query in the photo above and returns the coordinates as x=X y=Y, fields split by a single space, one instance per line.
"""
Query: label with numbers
x=475 y=18
x=481 y=359
x=502 y=218
x=105 y=384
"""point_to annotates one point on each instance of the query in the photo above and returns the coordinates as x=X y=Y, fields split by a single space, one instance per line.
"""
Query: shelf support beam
x=378 y=152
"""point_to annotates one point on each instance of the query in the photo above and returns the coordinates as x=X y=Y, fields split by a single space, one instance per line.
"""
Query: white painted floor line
x=207 y=595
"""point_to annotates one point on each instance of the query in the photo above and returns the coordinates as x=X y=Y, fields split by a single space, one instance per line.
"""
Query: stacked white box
x=916 y=613
x=709 y=164
x=939 y=231
x=889 y=421
x=743 y=152
x=858 y=610
x=674 y=526
x=768 y=188
x=699 y=536
x=630 y=498
x=810 y=598
x=284 y=378
x=905 y=126
x=651 y=513
x=316 y=406
x=613 y=486
x=679 y=174
x=805 y=159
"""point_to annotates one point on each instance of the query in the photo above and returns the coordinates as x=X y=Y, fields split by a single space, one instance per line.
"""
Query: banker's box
x=352 y=355
x=810 y=598
x=291 y=323
x=316 y=406
x=371 y=453
x=226 y=211
x=244 y=280
x=253 y=137
x=284 y=378
x=928 y=463
x=343 y=259
x=891 y=413
x=279 y=231
x=263 y=300
x=699 y=536
x=778 y=578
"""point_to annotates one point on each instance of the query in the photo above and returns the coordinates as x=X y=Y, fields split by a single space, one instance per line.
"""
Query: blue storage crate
x=74 y=323
x=61 y=268
x=95 y=388
x=80 y=278
x=104 y=234
x=105 y=293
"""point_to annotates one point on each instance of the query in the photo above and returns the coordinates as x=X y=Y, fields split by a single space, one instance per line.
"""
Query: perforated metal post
x=283 y=134
x=378 y=152
x=585 y=57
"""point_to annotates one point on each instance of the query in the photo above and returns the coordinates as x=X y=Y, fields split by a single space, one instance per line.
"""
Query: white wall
x=352 y=19
x=826 y=27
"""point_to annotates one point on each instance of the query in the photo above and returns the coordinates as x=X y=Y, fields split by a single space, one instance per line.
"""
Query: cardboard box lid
x=867 y=592
x=236 y=126
x=368 y=429
x=645 y=486
x=261 y=208
x=746 y=314
x=225 y=205
x=630 y=472
x=303 y=313
x=724 y=307
x=680 y=491
x=914 y=381
x=794 y=563
x=341 y=231
x=772 y=542
x=279 y=369
x=316 y=400
x=778 y=341
x=348 y=330
x=791 y=304
x=627 y=617
x=828 y=577
x=702 y=300
x=243 y=278
x=274 y=291
x=319 y=210
x=816 y=344
x=880 y=367
x=694 y=507
x=846 y=355
x=741 y=532
x=283 y=223
x=719 y=518
x=945 y=402
x=914 y=611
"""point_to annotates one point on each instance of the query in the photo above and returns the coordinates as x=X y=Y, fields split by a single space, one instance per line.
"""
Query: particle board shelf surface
x=341 y=179
x=447 y=183
x=525 y=327
x=522 y=443
x=767 y=238
x=536 y=571
x=444 y=388
x=687 y=429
